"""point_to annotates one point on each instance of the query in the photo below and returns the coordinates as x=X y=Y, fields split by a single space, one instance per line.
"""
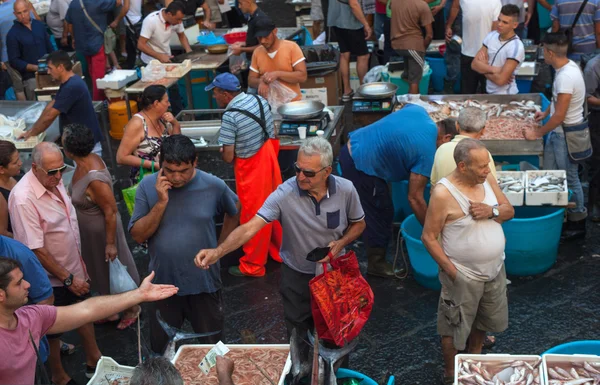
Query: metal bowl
x=302 y=109
x=377 y=90
x=217 y=48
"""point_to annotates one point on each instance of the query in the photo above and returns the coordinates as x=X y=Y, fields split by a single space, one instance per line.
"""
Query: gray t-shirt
x=187 y=226
x=340 y=15
x=308 y=224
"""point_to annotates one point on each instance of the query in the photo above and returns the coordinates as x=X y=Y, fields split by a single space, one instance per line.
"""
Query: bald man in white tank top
x=466 y=211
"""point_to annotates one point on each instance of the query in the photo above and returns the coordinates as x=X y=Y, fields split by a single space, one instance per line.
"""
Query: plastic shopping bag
x=120 y=280
x=237 y=63
x=341 y=300
x=129 y=192
x=279 y=95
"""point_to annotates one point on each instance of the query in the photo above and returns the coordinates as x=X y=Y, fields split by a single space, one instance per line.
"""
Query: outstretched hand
x=151 y=292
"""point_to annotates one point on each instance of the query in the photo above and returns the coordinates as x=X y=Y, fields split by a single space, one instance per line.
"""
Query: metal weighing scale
x=366 y=104
x=372 y=102
x=290 y=127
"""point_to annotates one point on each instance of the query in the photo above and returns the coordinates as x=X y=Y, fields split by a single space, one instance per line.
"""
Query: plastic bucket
x=424 y=267
x=402 y=208
x=395 y=78
x=438 y=72
x=364 y=380
x=524 y=85
x=576 y=347
x=532 y=239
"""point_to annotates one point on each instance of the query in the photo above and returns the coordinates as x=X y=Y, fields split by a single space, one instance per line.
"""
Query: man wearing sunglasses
x=315 y=209
x=44 y=220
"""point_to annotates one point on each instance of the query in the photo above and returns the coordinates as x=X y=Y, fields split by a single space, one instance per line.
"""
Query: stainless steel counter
x=11 y=107
x=207 y=123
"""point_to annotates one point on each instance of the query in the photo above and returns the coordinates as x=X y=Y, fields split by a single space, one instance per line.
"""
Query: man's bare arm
x=507 y=211
x=46 y=118
x=435 y=221
x=230 y=222
x=504 y=75
x=416 y=199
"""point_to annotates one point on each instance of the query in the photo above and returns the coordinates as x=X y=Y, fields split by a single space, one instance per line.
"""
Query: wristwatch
x=495 y=212
x=68 y=281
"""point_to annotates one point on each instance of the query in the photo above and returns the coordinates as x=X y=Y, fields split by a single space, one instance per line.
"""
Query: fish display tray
x=493 y=358
x=546 y=198
x=515 y=198
x=116 y=79
x=109 y=370
x=286 y=368
x=549 y=359
x=174 y=70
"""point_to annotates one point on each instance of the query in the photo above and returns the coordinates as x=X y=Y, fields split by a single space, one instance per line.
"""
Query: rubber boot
x=378 y=266
x=596 y=213
x=573 y=230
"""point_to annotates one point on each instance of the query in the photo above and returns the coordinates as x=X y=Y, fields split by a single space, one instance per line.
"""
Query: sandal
x=66 y=349
x=347 y=97
x=127 y=322
x=489 y=342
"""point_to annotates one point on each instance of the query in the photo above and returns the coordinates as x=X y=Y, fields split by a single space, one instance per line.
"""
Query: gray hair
x=471 y=119
x=462 y=152
x=156 y=371
x=318 y=146
x=37 y=155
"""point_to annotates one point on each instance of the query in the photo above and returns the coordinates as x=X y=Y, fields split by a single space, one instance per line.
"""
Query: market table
x=139 y=87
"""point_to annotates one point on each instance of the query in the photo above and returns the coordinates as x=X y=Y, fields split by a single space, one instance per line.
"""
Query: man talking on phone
x=174 y=212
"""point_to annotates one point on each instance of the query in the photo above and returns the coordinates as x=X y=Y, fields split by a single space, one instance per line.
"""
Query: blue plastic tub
x=524 y=85
x=532 y=239
x=403 y=86
x=424 y=267
x=438 y=72
x=347 y=373
x=576 y=347
x=400 y=199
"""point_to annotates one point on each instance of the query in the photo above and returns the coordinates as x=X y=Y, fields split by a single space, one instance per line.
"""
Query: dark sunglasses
x=54 y=171
x=307 y=173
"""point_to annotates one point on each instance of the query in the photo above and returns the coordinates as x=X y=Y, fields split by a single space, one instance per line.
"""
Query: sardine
x=331 y=356
x=175 y=335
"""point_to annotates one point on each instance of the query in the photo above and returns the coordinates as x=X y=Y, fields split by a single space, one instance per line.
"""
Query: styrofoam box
x=109 y=369
x=286 y=368
x=490 y=358
x=546 y=198
x=549 y=359
x=515 y=198
x=116 y=79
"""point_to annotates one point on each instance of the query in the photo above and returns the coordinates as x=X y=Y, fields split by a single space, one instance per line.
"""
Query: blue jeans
x=556 y=157
x=378 y=24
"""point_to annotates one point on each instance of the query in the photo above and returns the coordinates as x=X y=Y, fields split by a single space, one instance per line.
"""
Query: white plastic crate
x=493 y=358
x=109 y=370
x=286 y=368
x=546 y=198
x=549 y=359
x=515 y=198
x=116 y=79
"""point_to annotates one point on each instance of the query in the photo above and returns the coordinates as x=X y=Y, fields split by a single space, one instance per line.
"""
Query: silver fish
x=331 y=356
x=299 y=352
x=175 y=335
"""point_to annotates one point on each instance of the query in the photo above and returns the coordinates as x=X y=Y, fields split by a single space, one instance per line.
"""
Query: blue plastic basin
x=438 y=72
x=576 y=347
x=400 y=200
x=347 y=373
x=424 y=267
x=532 y=239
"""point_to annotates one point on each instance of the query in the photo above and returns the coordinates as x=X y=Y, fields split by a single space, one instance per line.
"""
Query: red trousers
x=97 y=69
x=255 y=179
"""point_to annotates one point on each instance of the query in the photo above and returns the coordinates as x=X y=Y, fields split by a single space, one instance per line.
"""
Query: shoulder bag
x=569 y=31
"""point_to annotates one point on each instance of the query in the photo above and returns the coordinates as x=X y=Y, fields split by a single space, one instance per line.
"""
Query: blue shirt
x=187 y=226
x=392 y=148
x=584 y=37
x=89 y=39
x=74 y=102
x=242 y=131
x=27 y=46
x=6 y=22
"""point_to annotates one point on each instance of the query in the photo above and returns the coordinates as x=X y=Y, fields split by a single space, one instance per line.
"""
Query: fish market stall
x=253 y=364
x=139 y=87
x=508 y=116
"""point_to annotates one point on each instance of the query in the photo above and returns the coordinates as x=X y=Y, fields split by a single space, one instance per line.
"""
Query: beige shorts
x=466 y=304
x=16 y=78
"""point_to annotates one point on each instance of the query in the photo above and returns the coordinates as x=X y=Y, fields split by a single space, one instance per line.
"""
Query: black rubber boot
x=573 y=230
x=596 y=213
x=378 y=266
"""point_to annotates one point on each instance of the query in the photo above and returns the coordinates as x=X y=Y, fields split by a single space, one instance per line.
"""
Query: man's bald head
x=45 y=150
x=48 y=164
x=22 y=11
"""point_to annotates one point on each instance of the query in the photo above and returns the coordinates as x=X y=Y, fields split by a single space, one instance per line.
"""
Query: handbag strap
x=583 y=4
x=89 y=18
x=503 y=45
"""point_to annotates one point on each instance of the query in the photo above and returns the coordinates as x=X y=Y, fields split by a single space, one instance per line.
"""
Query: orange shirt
x=40 y=219
x=285 y=59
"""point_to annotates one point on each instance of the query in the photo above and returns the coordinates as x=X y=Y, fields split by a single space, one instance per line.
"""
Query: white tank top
x=475 y=247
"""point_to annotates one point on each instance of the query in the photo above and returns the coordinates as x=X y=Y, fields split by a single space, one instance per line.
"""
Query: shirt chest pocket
x=333 y=219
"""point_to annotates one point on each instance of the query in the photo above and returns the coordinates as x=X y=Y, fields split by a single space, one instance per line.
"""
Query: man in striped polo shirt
x=584 y=34
x=248 y=139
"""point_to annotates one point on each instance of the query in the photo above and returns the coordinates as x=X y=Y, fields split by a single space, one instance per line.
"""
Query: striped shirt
x=242 y=131
x=584 y=38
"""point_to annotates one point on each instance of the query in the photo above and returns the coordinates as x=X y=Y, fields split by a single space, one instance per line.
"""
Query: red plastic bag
x=341 y=300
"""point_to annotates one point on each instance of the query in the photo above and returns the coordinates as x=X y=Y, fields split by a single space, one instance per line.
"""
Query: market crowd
x=59 y=243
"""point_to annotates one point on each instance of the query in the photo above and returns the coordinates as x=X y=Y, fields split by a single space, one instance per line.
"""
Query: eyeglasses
x=307 y=173
x=54 y=171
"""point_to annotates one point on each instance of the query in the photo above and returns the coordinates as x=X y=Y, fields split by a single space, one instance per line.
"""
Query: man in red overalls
x=248 y=139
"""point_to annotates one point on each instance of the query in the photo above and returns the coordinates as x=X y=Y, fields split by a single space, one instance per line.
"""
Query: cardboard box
x=46 y=81
x=318 y=94
x=331 y=84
